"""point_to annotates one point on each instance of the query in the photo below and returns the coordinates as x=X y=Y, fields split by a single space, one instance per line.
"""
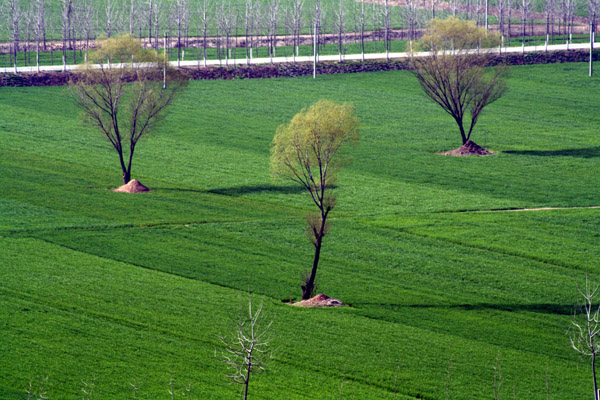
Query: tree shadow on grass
x=543 y=308
x=589 y=152
x=178 y=190
x=251 y=189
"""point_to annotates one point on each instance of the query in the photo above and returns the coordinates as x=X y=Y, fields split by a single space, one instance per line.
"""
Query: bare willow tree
x=308 y=151
x=249 y=348
x=454 y=76
x=126 y=98
x=585 y=327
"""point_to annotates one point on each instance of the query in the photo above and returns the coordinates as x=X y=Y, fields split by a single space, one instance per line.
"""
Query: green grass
x=117 y=287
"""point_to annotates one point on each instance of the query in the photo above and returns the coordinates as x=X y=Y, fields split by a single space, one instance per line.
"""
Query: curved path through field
x=544 y=208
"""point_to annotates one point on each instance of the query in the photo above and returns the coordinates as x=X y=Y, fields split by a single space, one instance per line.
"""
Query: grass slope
x=116 y=288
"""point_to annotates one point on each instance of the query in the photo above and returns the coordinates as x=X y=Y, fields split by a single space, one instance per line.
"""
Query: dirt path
x=541 y=209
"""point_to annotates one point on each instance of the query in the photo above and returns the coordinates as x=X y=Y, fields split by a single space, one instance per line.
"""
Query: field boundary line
x=100 y=228
x=486 y=249
x=540 y=209
x=512 y=209
x=158 y=271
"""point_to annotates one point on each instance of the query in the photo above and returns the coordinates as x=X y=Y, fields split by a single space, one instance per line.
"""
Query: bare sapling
x=134 y=388
x=585 y=327
x=448 y=376
x=41 y=394
x=248 y=350
x=88 y=389
x=497 y=380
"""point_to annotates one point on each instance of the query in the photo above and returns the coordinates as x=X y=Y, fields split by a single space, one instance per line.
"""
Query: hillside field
x=119 y=288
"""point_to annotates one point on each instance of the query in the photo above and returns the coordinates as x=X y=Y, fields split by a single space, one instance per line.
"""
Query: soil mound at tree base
x=134 y=186
x=468 y=149
x=319 y=300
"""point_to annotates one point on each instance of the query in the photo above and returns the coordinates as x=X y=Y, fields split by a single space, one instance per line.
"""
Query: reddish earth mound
x=134 y=186
x=319 y=300
x=468 y=149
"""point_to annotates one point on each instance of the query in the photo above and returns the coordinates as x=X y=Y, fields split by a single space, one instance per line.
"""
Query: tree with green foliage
x=123 y=92
x=454 y=74
x=308 y=151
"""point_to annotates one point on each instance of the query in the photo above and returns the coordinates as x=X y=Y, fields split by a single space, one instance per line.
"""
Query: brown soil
x=134 y=186
x=319 y=300
x=468 y=149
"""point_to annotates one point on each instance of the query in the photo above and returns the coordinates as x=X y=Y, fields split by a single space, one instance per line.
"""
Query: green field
x=121 y=288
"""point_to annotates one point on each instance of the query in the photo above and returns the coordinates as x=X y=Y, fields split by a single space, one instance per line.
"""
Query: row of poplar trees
x=29 y=25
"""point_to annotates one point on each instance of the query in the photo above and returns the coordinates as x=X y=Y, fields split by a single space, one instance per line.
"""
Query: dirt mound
x=468 y=149
x=320 y=300
x=134 y=186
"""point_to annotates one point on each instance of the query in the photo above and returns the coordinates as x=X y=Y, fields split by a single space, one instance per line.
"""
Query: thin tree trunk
x=247 y=383
x=127 y=175
x=37 y=51
x=462 y=131
x=44 y=23
x=594 y=375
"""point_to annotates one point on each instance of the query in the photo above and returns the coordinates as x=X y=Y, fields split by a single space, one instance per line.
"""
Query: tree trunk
x=126 y=172
x=150 y=22
x=462 y=131
x=247 y=382
x=44 y=23
x=594 y=376
x=307 y=289
x=37 y=51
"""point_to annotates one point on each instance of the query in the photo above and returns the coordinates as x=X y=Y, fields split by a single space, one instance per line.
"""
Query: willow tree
x=125 y=94
x=454 y=74
x=308 y=151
